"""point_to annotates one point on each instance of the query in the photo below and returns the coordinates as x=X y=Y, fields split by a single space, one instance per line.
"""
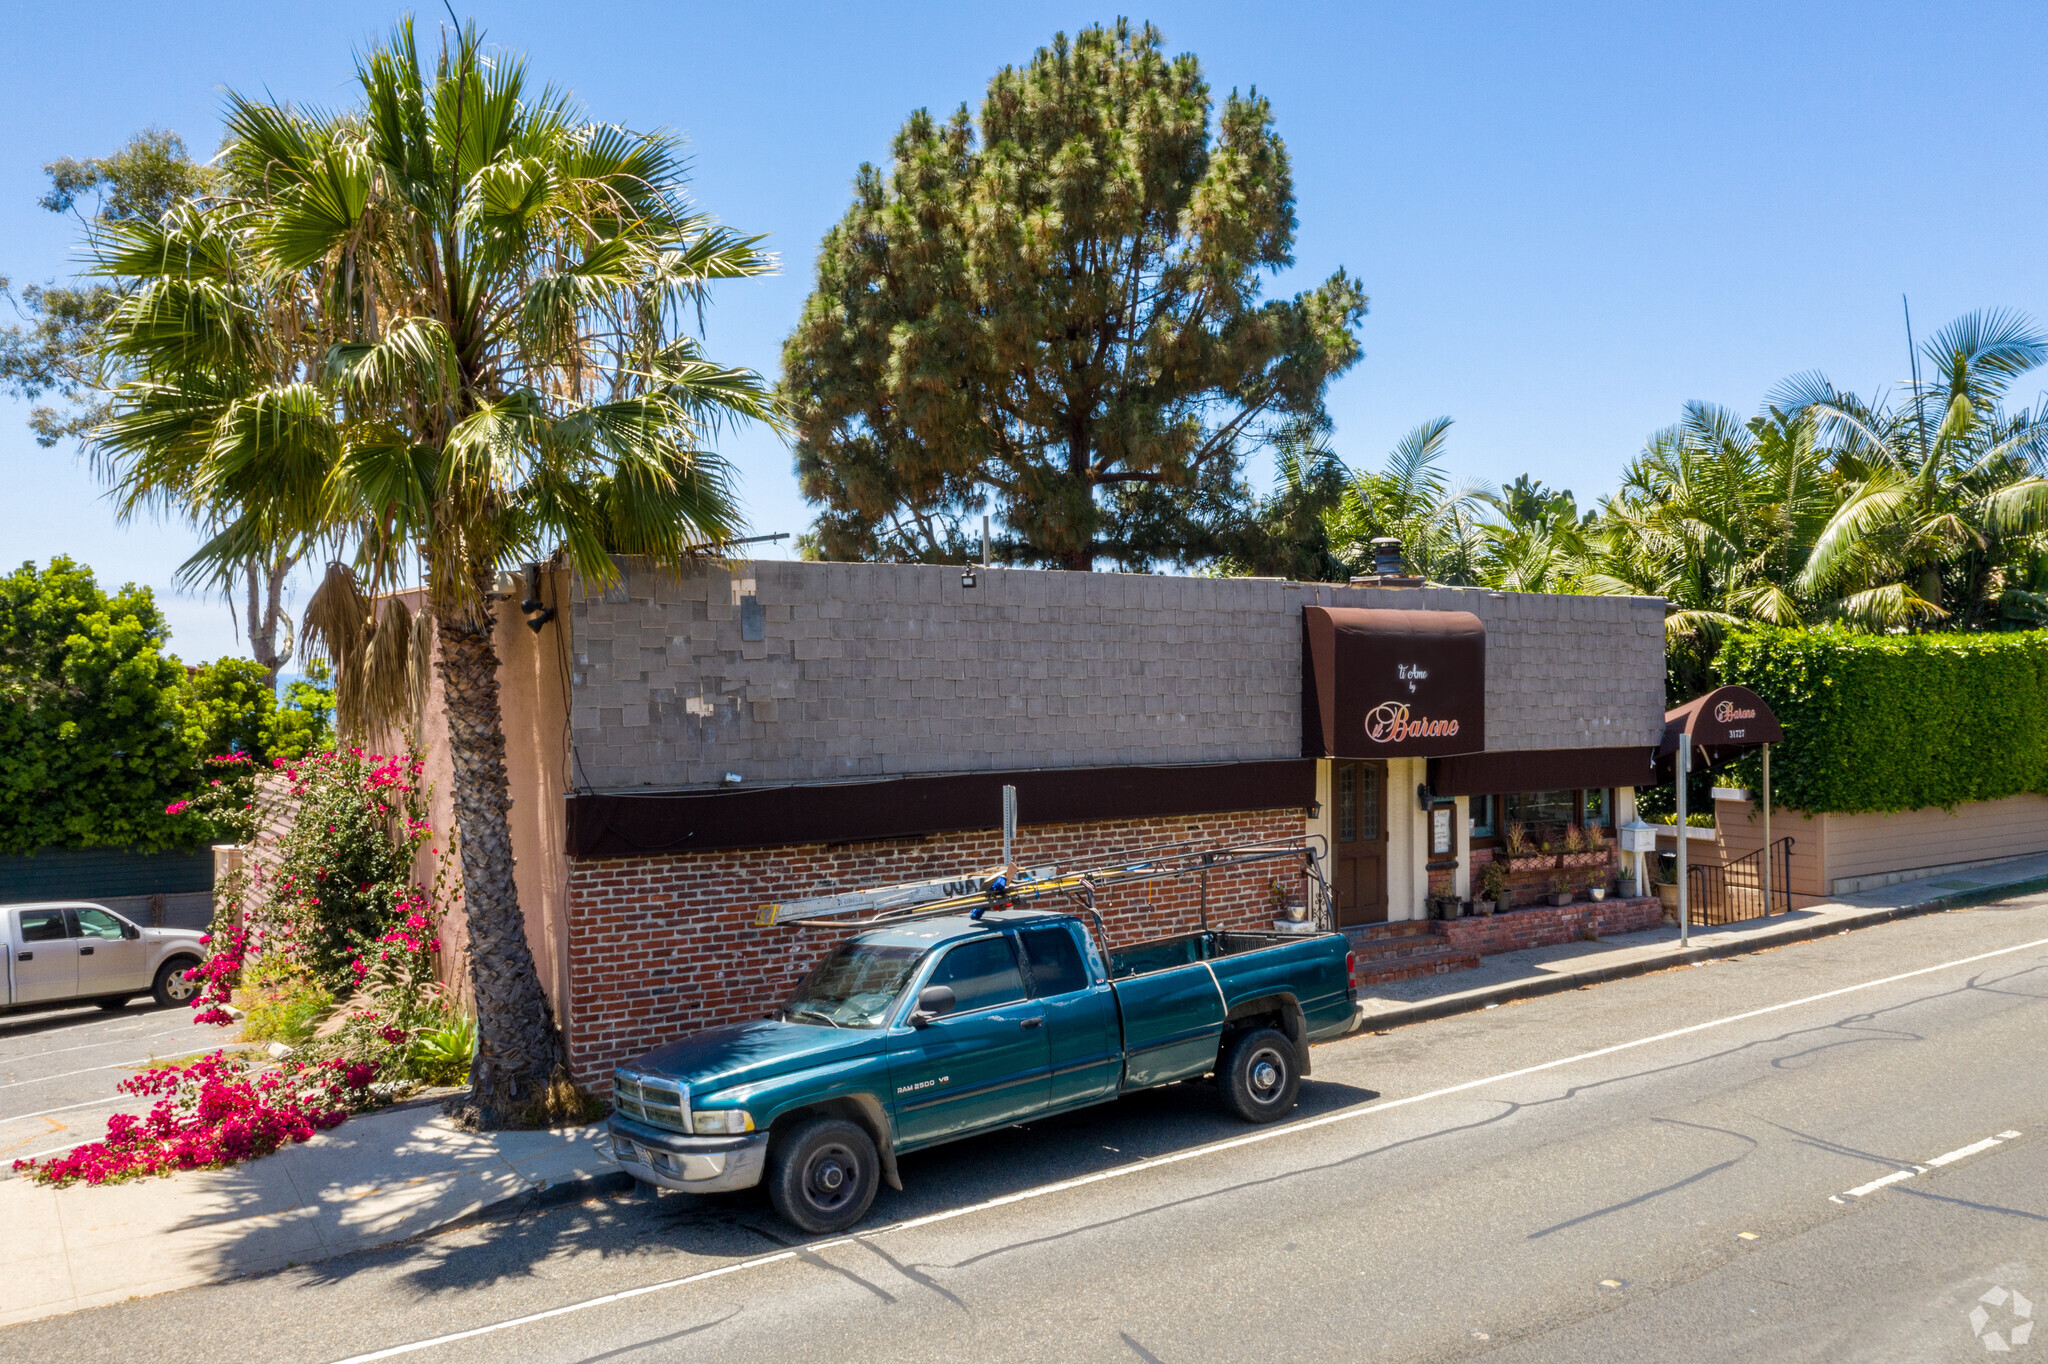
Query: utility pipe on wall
x=1767 y=835
x=1684 y=771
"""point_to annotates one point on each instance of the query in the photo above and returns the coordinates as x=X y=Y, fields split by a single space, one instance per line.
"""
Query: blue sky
x=1571 y=219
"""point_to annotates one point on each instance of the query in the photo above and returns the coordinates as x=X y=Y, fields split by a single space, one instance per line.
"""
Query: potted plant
x=1596 y=893
x=1560 y=889
x=1625 y=886
x=1443 y=906
x=1667 y=892
x=1493 y=888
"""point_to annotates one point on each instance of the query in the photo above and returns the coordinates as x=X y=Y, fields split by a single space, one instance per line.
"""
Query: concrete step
x=1440 y=961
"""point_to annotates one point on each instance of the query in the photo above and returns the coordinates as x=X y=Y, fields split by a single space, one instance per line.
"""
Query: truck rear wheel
x=1260 y=1076
x=822 y=1174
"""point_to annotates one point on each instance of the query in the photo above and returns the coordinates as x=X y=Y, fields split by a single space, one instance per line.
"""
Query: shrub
x=442 y=1055
x=343 y=879
x=1896 y=722
x=287 y=1010
x=212 y=1113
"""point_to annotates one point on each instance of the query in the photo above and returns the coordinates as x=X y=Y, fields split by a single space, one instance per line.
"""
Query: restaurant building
x=686 y=748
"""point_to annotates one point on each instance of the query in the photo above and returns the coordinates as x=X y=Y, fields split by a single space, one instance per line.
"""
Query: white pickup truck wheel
x=1260 y=1076
x=173 y=986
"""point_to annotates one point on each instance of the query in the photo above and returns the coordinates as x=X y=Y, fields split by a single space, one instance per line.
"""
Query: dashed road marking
x=1945 y=1158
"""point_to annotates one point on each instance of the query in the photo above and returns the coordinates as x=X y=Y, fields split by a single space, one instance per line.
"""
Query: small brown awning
x=1392 y=684
x=1726 y=717
x=1541 y=769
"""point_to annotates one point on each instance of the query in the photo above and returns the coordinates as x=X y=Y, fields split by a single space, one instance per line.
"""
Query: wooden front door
x=1361 y=887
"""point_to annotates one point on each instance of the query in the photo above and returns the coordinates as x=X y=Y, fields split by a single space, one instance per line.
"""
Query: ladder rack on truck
x=1010 y=886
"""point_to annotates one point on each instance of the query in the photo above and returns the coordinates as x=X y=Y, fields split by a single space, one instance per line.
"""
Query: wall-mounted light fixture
x=537 y=612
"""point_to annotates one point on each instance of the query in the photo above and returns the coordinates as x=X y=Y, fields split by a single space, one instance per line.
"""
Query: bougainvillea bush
x=333 y=913
x=211 y=1113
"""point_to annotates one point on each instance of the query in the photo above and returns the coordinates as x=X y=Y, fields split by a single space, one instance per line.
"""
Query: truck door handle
x=25 y=956
x=1029 y=1022
x=85 y=951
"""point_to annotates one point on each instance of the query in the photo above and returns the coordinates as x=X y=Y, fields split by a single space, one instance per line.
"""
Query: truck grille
x=658 y=1103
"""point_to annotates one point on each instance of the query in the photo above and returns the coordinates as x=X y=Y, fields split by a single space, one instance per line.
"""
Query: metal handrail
x=1733 y=891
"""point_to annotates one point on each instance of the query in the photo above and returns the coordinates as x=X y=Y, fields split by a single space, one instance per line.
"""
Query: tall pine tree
x=1059 y=311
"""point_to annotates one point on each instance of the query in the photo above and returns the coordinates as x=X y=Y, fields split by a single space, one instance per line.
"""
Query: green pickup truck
x=905 y=1037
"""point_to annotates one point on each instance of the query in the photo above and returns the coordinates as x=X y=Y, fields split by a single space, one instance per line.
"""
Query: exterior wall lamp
x=537 y=612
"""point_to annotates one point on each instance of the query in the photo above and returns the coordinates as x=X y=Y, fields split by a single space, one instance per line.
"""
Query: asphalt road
x=1654 y=1168
x=59 y=1069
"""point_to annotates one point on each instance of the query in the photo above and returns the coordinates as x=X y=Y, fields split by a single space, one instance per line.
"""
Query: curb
x=535 y=1198
x=1507 y=992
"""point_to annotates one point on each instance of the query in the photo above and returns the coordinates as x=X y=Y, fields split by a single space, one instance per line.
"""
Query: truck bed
x=1176 y=995
x=1159 y=954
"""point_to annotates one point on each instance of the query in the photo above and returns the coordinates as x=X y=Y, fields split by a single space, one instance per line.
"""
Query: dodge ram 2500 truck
x=905 y=1037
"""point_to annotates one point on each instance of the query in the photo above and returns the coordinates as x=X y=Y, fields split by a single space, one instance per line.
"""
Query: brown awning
x=1726 y=717
x=1392 y=684
x=1541 y=769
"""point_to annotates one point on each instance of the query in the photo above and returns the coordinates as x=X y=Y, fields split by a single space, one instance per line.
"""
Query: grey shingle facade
x=872 y=670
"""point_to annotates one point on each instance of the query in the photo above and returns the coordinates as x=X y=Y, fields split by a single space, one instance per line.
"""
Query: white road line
x=1972 y=1149
x=1874 y=1185
x=96 y=1103
x=110 y=1042
x=1946 y=1158
x=1192 y=1153
x=44 y=1079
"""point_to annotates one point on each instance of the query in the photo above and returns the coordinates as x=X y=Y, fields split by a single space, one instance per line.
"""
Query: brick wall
x=873 y=670
x=662 y=946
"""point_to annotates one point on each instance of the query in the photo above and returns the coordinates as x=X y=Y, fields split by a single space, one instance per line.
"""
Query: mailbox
x=1637 y=836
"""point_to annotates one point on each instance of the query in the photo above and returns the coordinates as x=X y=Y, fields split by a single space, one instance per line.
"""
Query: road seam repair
x=1214 y=1148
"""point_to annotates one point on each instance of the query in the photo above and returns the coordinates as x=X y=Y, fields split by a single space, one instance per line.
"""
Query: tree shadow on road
x=687 y=1233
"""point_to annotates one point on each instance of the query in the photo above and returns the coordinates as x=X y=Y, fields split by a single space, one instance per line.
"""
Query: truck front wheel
x=1260 y=1077
x=822 y=1174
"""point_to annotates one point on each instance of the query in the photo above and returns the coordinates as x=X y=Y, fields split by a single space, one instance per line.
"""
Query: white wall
x=1407 y=841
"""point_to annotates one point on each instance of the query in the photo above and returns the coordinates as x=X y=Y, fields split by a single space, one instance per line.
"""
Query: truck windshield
x=853 y=987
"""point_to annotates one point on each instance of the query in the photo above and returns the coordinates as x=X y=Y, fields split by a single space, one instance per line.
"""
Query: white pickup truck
x=74 y=952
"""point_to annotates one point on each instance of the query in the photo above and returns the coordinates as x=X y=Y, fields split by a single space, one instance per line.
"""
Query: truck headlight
x=721 y=1122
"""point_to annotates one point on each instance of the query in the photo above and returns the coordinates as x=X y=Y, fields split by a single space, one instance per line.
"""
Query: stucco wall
x=867 y=670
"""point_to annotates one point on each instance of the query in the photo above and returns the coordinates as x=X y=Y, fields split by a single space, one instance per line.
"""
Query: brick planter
x=1547 y=926
x=1529 y=877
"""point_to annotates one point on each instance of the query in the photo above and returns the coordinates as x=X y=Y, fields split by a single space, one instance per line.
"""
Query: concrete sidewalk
x=1570 y=966
x=375 y=1179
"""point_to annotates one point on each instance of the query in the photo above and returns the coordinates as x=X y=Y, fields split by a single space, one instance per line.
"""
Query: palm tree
x=1537 y=545
x=1944 y=489
x=499 y=291
x=1413 y=498
x=1717 y=516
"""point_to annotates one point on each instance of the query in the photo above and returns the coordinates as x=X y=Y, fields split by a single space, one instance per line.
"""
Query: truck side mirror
x=932 y=1001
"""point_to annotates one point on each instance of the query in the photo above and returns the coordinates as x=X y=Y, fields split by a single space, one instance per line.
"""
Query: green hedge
x=1896 y=722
